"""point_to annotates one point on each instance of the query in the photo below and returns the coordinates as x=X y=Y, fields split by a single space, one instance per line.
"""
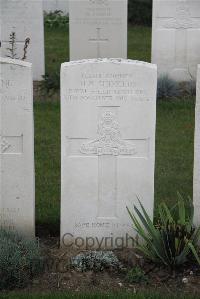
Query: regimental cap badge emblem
x=109 y=141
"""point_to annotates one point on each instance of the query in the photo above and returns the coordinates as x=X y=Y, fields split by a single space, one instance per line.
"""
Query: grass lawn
x=174 y=138
x=95 y=296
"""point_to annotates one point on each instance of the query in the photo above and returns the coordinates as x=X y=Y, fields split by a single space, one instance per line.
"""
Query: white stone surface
x=53 y=5
x=176 y=37
x=196 y=188
x=108 y=112
x=17 y=206
x=25 y=18
x=98 y=29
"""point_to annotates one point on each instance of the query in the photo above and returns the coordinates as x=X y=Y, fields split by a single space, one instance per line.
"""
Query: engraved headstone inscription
x=108 y=145
x=98 y=28
x=25 y=19
x=17 y=207
x=196 y=184
x=176 y=38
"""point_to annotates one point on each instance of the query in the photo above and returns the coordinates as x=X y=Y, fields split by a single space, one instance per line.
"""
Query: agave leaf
x=156 y=242
x=190 y=245
x=196 y=236
x=162 y=215
x=181 y=210
x=163 y=235
x=146 y=252
x=138 y=227
x=148 y=225
x=167 y=213
x=190 y=210
x=146 y=220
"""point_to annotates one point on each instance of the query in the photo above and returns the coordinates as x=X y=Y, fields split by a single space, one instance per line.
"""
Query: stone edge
x=15 y=62
x=112 y=60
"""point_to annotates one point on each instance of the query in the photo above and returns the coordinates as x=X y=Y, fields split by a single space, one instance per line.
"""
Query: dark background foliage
x=140 y=12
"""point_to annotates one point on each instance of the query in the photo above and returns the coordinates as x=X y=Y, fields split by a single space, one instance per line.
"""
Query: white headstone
x=196 y=189
x=108 y=147
x=25 y=18
x=176 y=37
x=17 y=147
x=98 y=29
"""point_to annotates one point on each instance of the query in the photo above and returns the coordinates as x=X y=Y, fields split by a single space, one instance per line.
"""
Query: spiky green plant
x=173 y=238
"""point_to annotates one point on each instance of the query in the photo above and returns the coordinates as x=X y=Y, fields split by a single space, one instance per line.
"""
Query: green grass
x=174 y=150
x=56 y=48
x=47 y=163
x=139 y=43
x=96 y=296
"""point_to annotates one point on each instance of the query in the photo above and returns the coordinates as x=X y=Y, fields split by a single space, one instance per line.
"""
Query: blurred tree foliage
x=140 y=12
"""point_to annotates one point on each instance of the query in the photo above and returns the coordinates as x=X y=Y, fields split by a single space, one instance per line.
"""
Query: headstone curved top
x=17 y=199
x=108 y=115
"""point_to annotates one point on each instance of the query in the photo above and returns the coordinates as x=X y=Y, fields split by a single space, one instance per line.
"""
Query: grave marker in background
x=17 y=201
x=98 y=29
x=108 y=146
x=176 y=38
x=25 y=18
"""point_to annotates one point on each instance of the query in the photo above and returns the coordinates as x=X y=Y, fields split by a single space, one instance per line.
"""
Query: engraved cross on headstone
x=108 y=147
x=11 y=144
x=181 y=22
x=98 y=40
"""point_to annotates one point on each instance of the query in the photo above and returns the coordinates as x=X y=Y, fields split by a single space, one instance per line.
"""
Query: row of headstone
x=107 y=150
x=98 y=29
x=108 y=118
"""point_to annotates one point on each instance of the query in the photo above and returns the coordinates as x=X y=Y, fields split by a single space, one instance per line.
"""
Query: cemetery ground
x=173 y=172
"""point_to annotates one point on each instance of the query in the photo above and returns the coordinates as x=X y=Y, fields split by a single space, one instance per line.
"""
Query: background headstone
x=25 y=18
x=53 y=5
x=98 y=29
x=176 y=38
x=17 y=201
x=108 y=146
x=196 y=189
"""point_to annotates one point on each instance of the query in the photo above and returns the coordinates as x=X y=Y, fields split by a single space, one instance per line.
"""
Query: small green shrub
x=190 y=88
x=167 y=88
x=56 y=19
x=136 y=275
x=96 y=261
x=51 y=83
x=20 y=260
x=173 y=239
